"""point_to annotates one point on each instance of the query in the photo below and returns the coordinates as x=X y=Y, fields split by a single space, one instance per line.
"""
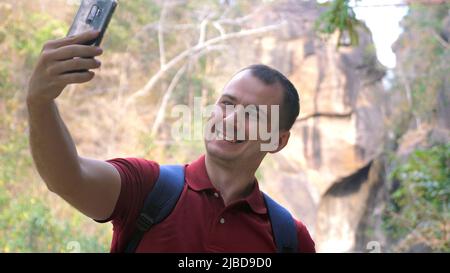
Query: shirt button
x=216 y=195
x=222 y=220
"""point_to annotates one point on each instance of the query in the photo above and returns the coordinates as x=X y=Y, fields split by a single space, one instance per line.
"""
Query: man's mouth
x=221 y=136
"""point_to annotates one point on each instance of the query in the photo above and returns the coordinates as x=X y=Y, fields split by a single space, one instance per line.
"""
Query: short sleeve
x=305 y=242
x=137 y=179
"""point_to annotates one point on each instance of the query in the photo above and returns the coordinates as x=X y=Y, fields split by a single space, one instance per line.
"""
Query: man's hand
x=59 y=57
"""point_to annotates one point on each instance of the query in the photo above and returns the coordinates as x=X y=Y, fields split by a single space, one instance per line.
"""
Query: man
x=221 y=208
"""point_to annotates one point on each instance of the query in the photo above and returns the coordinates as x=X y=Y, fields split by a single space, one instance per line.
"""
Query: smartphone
x=93 y=15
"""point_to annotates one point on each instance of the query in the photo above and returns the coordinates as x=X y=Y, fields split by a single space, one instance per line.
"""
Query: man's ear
x=282 y=141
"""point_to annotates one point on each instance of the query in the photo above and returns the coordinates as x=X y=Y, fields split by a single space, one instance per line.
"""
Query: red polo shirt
x=200 y=222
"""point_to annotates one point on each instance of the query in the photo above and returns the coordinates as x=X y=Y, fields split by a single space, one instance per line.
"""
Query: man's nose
x=234 y=123
x=229 y=120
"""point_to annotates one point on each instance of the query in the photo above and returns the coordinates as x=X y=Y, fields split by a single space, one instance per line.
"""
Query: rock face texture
x=327 y=174
x=332 y=173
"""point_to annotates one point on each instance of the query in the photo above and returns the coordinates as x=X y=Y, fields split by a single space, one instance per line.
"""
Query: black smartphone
x=93 y=15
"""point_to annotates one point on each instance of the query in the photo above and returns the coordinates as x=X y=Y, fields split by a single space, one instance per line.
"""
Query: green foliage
x=425 y=59
x=4 y=77
x=27 y=219
x=32 y=31
x=421 y=200
x=13 y=155
x=339 y=17
x=129 y=19
x=27 y=225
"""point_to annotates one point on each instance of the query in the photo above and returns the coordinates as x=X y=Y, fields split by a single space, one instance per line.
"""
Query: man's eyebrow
x=234 y=99
x=230 y=97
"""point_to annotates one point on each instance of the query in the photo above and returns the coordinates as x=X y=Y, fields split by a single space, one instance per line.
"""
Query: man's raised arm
x=91 y=186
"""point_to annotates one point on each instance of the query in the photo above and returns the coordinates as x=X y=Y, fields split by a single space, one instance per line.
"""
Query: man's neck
x=234 y=180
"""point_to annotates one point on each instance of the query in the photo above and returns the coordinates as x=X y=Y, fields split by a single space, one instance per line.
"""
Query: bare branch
x=162 y=51
x=441 y=41
x=408 y=91
x=326 y=115
x=162 y=108
x=195 y=49
x=219 y=27
x=203 y=26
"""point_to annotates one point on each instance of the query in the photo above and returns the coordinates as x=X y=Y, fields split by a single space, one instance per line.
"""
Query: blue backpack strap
x=159 y=202
x=283 y=226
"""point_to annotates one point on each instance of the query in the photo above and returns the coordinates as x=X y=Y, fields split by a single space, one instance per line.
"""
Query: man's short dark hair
x=290 y=107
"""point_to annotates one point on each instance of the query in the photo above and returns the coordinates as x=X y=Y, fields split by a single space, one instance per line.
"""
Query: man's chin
x=215 y=150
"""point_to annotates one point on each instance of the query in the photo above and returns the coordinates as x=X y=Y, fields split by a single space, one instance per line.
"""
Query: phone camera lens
x=92 y=14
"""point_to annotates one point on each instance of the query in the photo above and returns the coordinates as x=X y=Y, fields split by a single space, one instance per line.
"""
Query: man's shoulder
x=136 y=170
x=138 y=175
x=305 y=242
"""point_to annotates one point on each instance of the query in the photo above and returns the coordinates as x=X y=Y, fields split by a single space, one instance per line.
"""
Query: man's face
x=230 y=137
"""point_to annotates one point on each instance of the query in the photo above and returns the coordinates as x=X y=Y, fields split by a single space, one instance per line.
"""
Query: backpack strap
x=159 y=202
x=283 y=226
x=167 y=190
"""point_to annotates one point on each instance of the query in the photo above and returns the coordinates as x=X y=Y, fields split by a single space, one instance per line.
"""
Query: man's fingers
x=73 y=65
x=81 y=38
x=81 y=77
x=73 y=51
x=85 y=37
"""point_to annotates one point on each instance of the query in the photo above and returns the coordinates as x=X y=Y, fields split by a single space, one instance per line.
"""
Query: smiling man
x=220 y=209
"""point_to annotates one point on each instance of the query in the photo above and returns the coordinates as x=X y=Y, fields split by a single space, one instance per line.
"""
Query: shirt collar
x=198 y=180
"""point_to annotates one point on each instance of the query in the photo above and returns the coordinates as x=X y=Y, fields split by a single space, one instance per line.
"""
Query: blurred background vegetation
x=151 y=80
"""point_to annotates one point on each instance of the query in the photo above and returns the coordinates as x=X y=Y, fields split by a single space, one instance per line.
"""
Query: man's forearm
x=52 y=147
